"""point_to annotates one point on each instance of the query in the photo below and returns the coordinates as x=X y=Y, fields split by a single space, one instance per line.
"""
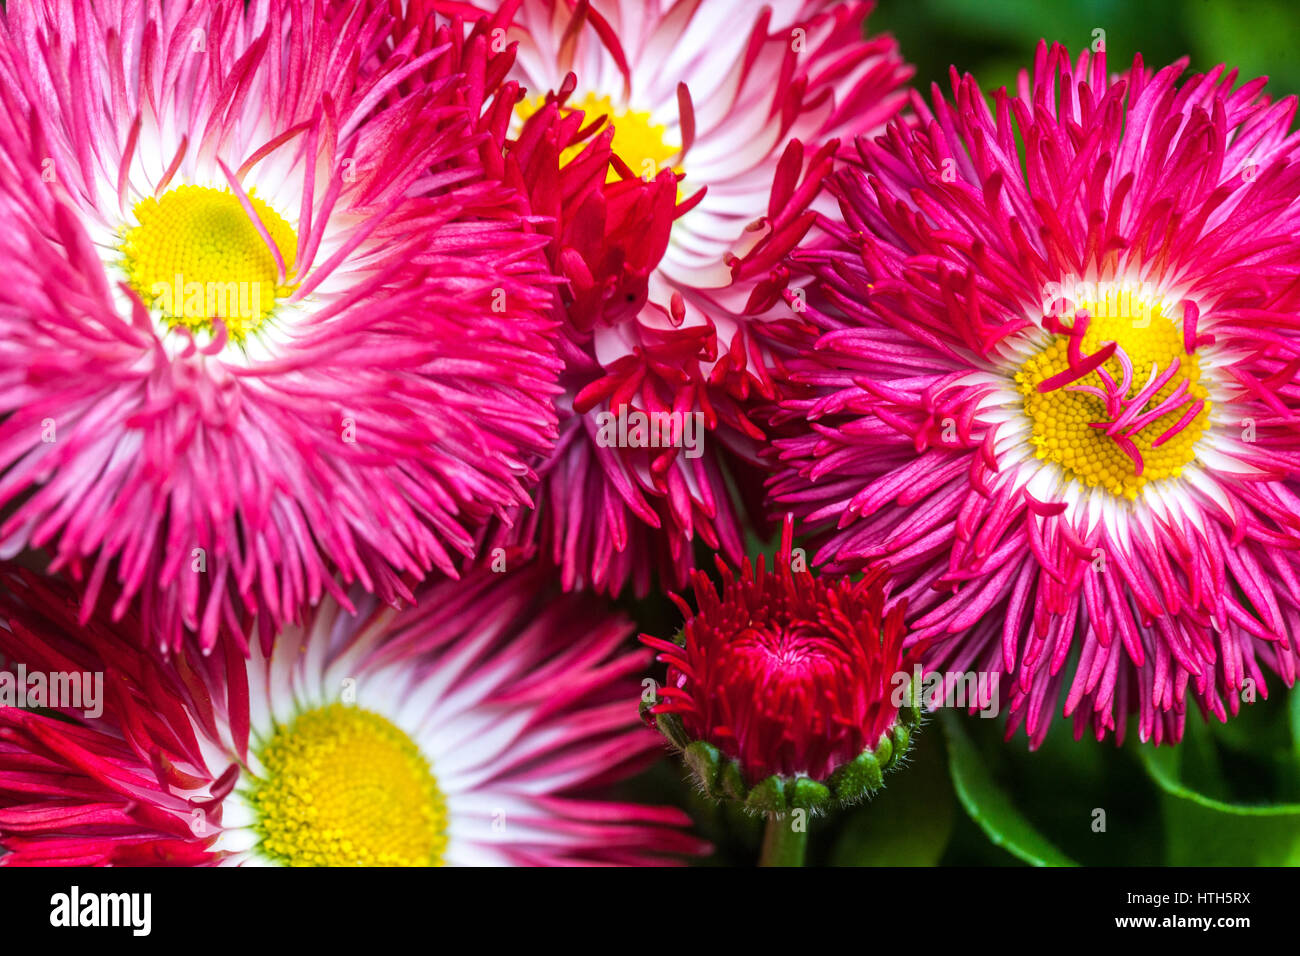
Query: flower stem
x=783 y=845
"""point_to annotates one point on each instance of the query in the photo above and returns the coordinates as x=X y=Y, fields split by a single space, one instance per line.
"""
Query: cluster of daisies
x=316 y=317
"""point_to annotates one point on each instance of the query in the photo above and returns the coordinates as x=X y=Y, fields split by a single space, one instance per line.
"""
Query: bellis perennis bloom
x=268 y=317
x=471 y=730
x=1057 y=394
x=786 y=690
x=721 y=117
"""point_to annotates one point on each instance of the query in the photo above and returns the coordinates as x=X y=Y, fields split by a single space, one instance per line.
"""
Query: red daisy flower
x=785 y=689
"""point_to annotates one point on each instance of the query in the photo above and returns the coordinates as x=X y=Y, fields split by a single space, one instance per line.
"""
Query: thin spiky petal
x=676 y=297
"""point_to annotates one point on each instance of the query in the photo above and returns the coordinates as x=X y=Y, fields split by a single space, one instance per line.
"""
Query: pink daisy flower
x=475 y=729
x=270 y=319
x=1056 y=394
x=721 y=117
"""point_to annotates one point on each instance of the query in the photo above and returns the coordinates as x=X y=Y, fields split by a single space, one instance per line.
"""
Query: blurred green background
x=993 y=39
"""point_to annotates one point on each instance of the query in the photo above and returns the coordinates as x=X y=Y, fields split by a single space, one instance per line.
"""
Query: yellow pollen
x=197 y=256
x=1065 y=418
x=345 y=787
x=638 y=141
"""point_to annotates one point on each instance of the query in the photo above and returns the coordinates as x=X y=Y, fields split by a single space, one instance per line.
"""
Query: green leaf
x=989 y=806
x=1165 y=766
x=1204 y=831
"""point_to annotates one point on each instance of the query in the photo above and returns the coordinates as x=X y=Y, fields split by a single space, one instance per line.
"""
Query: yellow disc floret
x=197 y=256
x=638 y=141
x=344 y=786
x=1089 y=423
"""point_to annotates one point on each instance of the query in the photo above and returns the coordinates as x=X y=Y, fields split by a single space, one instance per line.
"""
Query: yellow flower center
x=345 y=787
x=1116 y=398
x=196 y=256
x=638 y=141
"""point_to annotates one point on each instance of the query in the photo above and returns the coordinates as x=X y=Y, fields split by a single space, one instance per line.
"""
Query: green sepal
x=732 y=781
x=808 y=794
x=670 y=725
x=703 y=759
x=768 y=796
x=857 y=778
x=885 y=752
x=913 y=708
x=902 y=740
